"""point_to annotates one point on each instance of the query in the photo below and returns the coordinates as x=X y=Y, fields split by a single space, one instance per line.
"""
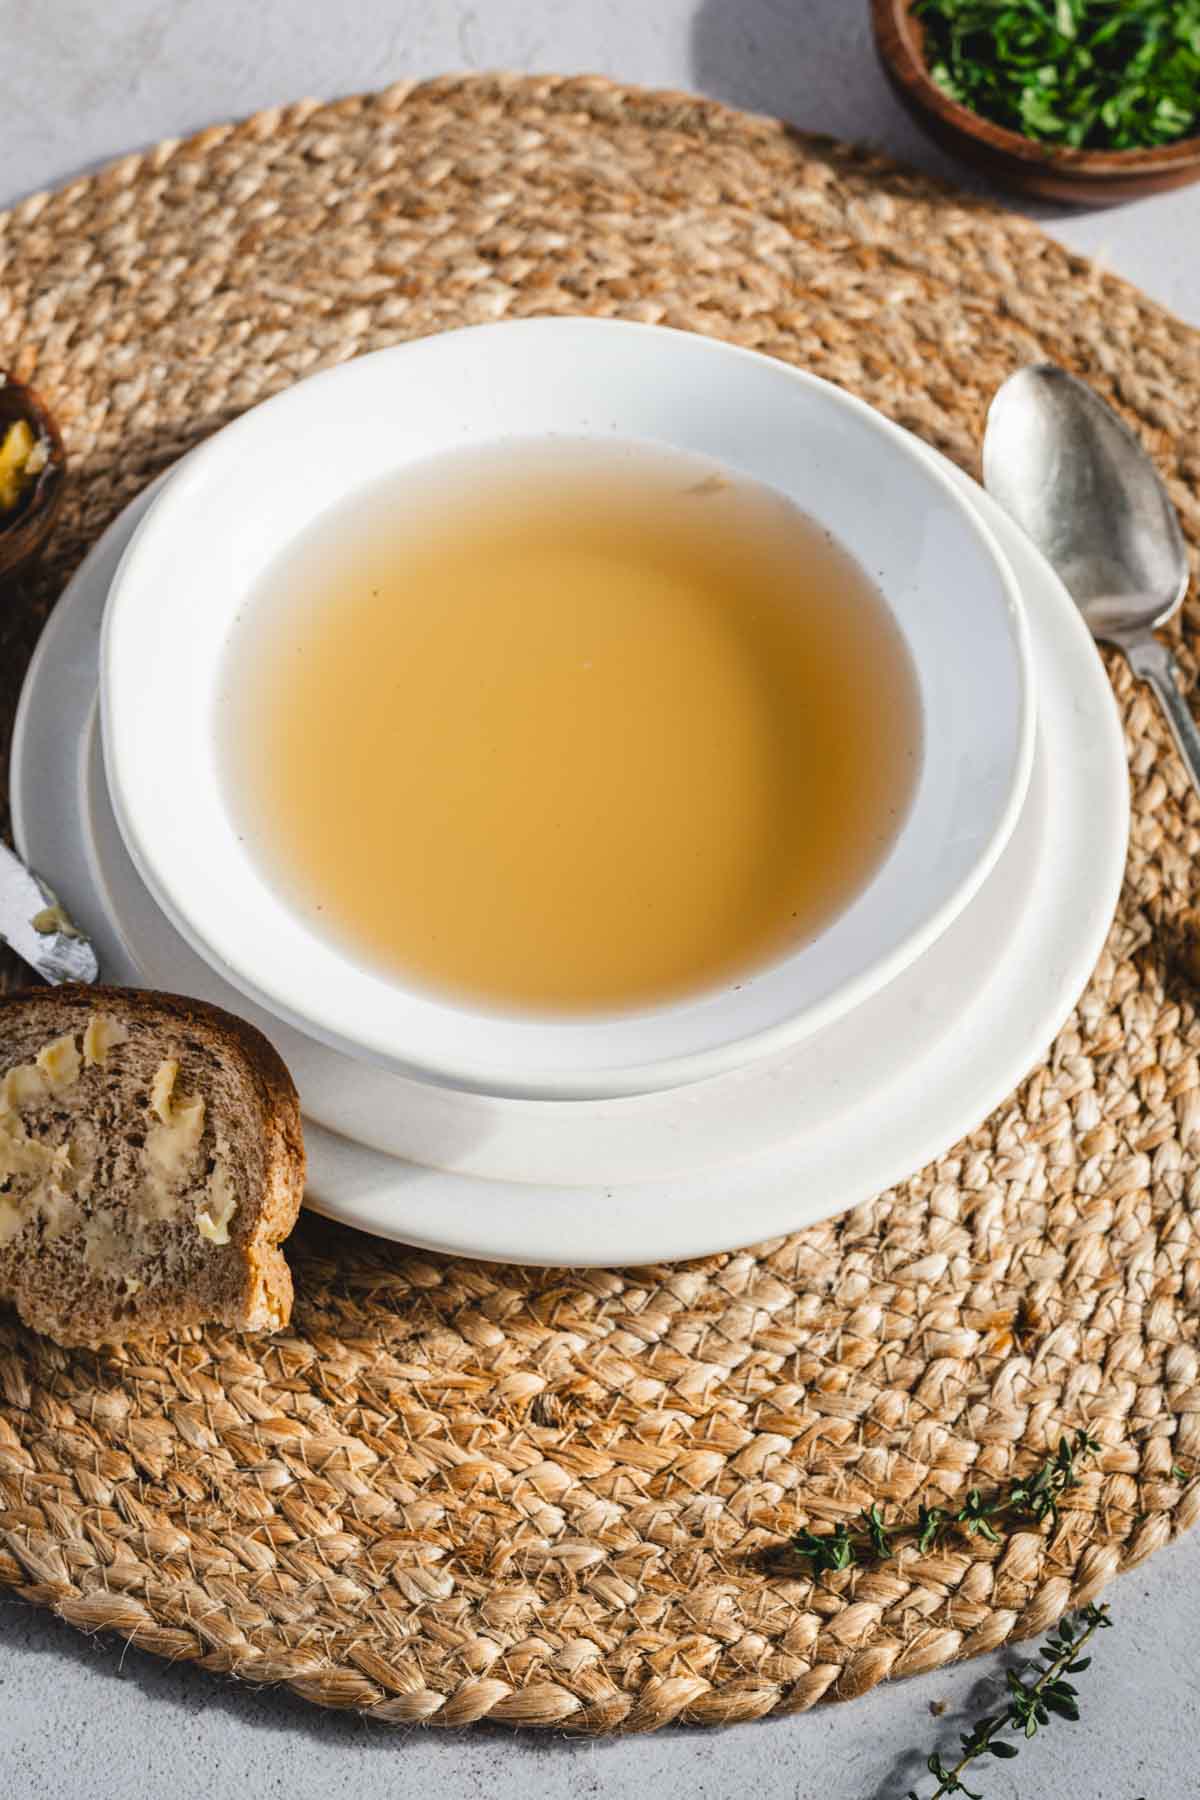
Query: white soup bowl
x=240 y=499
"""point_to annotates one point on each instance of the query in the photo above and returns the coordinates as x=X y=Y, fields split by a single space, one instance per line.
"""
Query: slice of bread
x=151 y=1162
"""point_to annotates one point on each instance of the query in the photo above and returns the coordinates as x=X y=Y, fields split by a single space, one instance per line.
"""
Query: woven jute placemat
x=456 y=1491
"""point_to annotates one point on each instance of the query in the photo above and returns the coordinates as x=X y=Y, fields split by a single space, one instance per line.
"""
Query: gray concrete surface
x=84 y=80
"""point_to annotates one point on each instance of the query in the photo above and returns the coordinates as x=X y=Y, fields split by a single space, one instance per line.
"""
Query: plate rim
x=509 y=1220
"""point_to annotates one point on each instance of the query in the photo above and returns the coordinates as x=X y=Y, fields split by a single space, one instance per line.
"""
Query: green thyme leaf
x=877 y=1531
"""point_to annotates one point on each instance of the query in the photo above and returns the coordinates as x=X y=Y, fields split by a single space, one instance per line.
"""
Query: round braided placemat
x=455 y=1491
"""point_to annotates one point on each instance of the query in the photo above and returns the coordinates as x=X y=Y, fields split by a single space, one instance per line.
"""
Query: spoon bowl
x=1073 y=475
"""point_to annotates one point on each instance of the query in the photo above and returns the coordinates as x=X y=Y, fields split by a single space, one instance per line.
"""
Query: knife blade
x=34 y=925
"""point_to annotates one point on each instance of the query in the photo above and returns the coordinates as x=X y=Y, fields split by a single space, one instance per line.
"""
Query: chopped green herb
x=1091 y=74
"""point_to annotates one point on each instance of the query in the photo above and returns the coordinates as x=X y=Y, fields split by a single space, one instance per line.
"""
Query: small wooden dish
x=23 y=535
x=1051 y=172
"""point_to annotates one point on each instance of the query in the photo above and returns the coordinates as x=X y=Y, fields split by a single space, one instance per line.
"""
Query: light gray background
x=85 y=80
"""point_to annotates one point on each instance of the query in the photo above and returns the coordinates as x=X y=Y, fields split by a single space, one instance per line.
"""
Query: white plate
x=735 y=1159
x=195 y=560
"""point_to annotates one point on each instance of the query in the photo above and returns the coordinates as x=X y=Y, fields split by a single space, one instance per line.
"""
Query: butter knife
x=34 y=925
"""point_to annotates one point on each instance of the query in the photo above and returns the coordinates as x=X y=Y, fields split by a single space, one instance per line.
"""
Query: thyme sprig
x=1031 y=1499
x=1037 y=1692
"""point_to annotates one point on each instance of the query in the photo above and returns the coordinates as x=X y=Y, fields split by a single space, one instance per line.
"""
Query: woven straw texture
x=456 y=1492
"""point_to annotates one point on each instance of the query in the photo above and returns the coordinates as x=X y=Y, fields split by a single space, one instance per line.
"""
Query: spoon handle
x=1155 y=664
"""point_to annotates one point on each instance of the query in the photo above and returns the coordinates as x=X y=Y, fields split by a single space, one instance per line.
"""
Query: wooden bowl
x=1052 y=172
x=23 y=536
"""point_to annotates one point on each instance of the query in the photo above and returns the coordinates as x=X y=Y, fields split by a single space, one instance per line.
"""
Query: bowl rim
x=896 y=30
x=371 y=1043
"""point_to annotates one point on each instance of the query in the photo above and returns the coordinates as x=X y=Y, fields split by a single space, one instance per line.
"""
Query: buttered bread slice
x=151 y=1163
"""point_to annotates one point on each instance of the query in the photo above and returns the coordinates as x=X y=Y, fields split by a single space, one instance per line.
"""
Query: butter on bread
x=151 y=1163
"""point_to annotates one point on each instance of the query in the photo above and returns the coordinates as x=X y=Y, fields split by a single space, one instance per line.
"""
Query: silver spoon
x=1071 y=473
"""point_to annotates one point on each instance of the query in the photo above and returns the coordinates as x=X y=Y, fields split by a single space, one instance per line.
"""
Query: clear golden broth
x=567 y=728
